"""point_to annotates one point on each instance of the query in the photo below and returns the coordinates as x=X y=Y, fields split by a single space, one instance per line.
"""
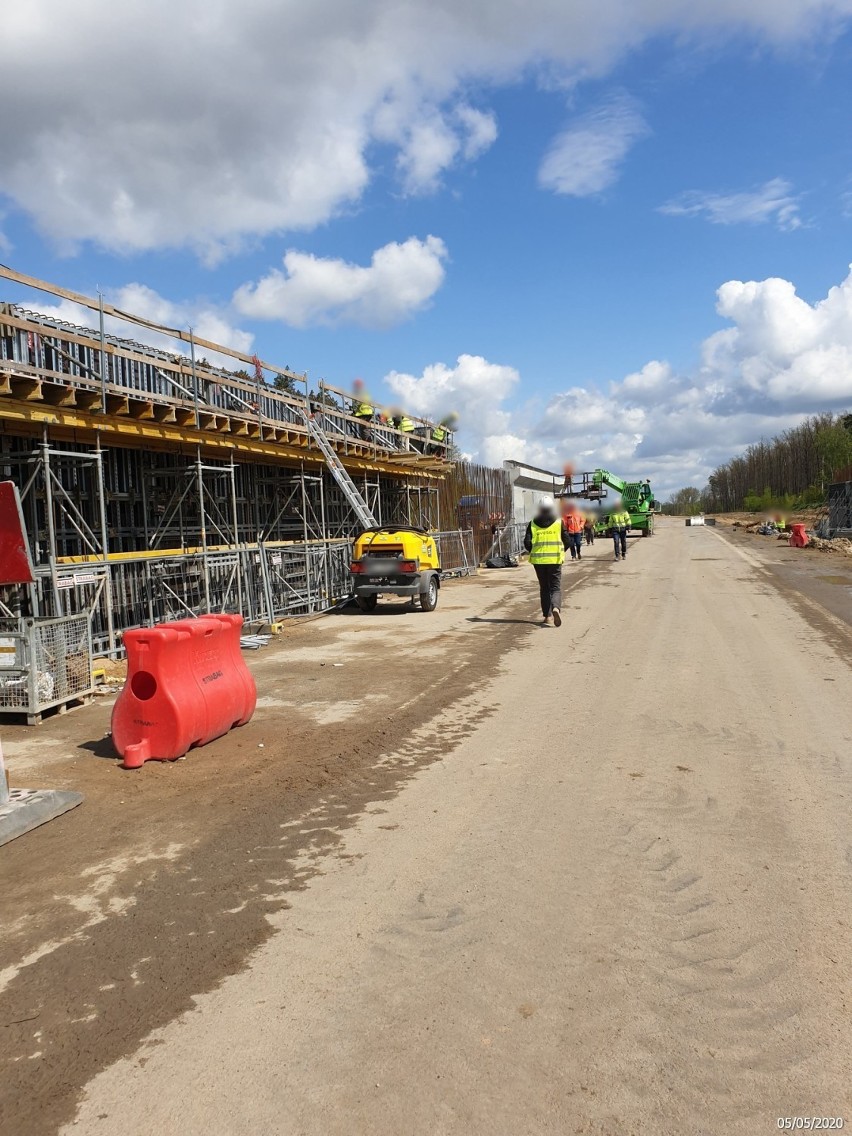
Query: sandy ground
x=482 y=878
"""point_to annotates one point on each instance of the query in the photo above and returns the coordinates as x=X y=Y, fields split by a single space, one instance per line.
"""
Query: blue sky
x=588 y=186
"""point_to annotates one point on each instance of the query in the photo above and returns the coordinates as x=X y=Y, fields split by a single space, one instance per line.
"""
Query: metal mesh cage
x=44 y=663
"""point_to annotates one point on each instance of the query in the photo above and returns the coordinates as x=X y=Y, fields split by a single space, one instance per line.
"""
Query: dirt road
x=594 y=879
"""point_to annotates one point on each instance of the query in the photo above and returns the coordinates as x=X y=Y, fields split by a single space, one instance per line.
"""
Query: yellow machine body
x=402 y=544
x=395 y=562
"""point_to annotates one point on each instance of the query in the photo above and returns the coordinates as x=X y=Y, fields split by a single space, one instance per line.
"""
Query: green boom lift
x=637 y=496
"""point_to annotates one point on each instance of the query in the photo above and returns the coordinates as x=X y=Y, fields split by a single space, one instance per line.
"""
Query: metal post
x=149 y=591
x=194 y=373
x=143 y=479
x=324 y=532
x=51 y=526
x=4 y=787
x=258 y=374
x=308 y=581
x=103 y=353
x=202 y=521
x=236 y=536
x=105 y=548
x=267 y=587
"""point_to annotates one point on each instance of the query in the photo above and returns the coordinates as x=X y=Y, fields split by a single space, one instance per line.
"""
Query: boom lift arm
x=637 y=496
x=592 y=486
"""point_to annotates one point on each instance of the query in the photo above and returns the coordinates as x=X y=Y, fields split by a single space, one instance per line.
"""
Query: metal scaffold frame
x=160 y=482
x=133 y=537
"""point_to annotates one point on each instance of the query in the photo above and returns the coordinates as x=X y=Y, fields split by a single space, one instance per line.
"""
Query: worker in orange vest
x=573 y=520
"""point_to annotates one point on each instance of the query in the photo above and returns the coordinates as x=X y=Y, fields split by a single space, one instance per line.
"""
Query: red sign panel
x=16 y=567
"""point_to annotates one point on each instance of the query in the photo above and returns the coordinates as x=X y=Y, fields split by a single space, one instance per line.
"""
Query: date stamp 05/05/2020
x=810 y=1123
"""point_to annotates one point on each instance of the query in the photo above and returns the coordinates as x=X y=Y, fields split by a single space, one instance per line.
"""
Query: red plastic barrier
x=16 y=566
x=187 y=683
x=798 y=537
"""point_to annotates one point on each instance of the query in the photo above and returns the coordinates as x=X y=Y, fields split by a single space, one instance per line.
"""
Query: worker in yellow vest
x=546 y=540
x=363 y=411
x=437 y=440
x=405 y=425
x=619 y=523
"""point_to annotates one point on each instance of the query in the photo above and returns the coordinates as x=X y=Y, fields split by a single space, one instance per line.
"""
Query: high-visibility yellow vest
x=620 y=520
x=438 y=433
x=406 y=425
x=363 y=410
x=547 y=544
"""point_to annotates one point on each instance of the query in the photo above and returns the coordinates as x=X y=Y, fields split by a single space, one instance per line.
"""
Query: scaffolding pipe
x=51 y=523
x=203 y=522
x=105 y=550
x=236 y=535
x=305 y=531
x=194 y=372
x=103 y=352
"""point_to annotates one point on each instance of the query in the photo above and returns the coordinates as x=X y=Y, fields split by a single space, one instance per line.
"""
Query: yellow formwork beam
x=165 y=553
x=144 y=433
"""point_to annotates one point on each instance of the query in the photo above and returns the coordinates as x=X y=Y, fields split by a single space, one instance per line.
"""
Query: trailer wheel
x=429 y=598
x=367 y=603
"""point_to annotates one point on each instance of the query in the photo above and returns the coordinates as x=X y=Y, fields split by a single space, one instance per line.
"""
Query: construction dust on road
x=462 y=873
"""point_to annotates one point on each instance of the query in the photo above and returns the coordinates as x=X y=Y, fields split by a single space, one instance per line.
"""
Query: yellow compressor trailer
x=396 y=562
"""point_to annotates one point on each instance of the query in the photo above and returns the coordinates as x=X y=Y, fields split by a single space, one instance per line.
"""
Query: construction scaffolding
x=134 y=537
x=156 y=484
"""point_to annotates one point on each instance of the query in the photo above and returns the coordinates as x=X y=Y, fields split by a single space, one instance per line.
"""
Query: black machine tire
x=429 y=598
x=367 y=603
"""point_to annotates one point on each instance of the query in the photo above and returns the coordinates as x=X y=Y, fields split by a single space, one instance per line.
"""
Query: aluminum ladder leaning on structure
x=340 y=474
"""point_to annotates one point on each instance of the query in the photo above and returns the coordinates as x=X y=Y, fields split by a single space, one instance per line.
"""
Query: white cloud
x=206 y=125
x=206 y=321
x=780 y=359
x=771 y=203
x=480 y=131
x=785 y=351
x=431 y=140
x=474 y=389
x=586 y=158
x=400 y=280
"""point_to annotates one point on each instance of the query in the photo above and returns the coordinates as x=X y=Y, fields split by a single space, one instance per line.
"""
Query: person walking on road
x=589 y=530
x=620 y=524
x=546 y=540
x=573 y=521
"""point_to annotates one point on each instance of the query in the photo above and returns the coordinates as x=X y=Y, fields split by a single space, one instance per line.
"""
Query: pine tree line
x=789 y=471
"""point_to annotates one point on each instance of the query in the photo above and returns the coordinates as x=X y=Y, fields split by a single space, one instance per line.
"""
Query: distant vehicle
x=637 y=496
x=473 y=512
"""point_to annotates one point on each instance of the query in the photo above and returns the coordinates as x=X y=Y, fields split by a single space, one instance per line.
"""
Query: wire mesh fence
x=456 y=552
x=263 y=583
x=840 y=509
x=508 y=541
